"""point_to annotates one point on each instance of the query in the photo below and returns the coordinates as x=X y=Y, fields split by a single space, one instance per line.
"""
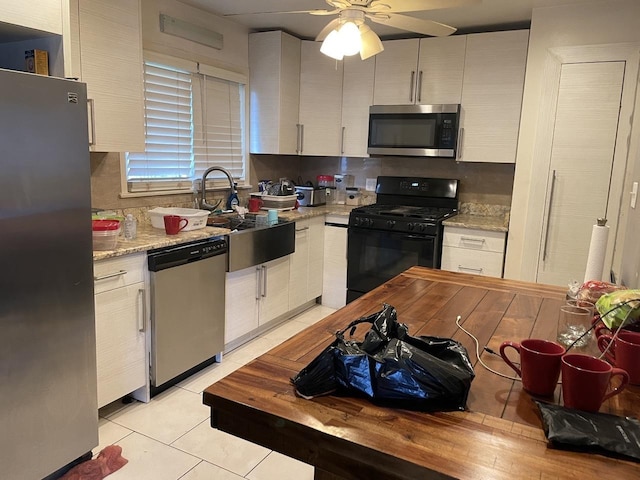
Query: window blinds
x=193 y=121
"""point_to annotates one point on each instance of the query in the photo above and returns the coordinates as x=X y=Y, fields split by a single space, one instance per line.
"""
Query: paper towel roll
x=597 y=251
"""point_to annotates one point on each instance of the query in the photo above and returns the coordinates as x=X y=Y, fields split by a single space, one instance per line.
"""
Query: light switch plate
x=370 y=185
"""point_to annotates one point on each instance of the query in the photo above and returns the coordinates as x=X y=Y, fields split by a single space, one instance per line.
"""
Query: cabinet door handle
x=297 y=138
x=460 y=142
x=420 y=86
x=258 y=282
x=92 y=121
x=264 y=281
x=471 y=239
x=471 y=269
x=546 y=234
x=302 y=229
x=110 y=275
x=142 y=325
x=301 y=138
x=412 y=85
x=342 y=140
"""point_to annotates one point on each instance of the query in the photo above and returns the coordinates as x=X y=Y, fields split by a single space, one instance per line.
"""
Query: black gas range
x=402 y=229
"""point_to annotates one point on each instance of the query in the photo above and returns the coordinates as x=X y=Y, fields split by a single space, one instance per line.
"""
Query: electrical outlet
x=370 y=186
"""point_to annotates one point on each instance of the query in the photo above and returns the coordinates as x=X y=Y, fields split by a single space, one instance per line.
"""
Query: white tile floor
x=170 y=438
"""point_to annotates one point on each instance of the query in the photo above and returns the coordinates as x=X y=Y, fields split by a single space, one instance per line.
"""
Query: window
x=194 y=119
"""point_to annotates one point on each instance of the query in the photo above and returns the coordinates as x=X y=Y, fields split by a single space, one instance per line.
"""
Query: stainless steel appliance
x=311 y=196
x=413 y=130
x=187 y=308
x=402 y=229
x=48 y=399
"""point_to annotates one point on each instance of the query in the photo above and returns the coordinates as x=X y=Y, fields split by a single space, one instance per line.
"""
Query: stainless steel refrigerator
x=48 y=406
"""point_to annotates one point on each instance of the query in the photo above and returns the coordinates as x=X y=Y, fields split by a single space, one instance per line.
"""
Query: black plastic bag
x=600 y=432
x=391 y=367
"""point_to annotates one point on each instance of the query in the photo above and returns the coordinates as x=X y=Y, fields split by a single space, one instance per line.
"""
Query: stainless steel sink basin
x=250 y=244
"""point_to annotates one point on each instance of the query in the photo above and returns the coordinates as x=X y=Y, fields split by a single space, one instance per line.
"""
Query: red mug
x=255 y=204
x=539 y=364
x=585 y=381
x=624 y=353
x=173 y=224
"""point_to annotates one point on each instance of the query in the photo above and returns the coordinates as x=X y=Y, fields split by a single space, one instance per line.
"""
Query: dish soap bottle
x=233 y=201
x=129 y=227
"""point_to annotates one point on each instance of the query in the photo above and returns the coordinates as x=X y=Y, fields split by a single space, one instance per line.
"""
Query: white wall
x=233 y=56
x=601 y=22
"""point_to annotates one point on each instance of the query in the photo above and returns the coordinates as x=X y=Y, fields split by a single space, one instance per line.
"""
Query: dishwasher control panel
x=168 y=257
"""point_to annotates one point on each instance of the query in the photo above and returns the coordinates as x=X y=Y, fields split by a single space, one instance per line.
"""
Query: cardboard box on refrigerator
x=37 y=61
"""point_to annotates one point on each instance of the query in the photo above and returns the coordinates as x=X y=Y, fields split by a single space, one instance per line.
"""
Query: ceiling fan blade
x=312 y=12
x=411 y=24
x=327 y=30
x=418 y=5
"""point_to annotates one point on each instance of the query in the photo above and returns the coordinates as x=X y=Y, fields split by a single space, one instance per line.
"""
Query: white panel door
x=275 y=290
x=241 y=303
x=584 y=138
x=320 y=102
x=357 y=97
x=441 y=69
x=396 y=72
x=299 y=267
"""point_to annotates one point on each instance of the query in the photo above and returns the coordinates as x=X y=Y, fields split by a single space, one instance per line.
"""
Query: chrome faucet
x=203 y=198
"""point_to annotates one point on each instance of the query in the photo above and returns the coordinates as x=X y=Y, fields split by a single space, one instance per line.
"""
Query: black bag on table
x=391 y=367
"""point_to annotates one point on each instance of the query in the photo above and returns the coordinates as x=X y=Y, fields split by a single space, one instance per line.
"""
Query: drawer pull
x=471 y=239
x=142 y=315
x=110 y=275
x=302 y=229
x=470 y=269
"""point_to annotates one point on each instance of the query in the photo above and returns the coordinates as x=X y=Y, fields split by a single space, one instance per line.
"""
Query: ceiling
x=486 y=15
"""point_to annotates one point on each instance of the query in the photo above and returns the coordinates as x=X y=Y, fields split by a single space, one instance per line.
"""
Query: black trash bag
x=391 y=367
x=591 y=432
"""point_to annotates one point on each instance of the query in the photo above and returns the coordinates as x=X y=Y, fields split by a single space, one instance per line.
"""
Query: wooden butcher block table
x=500 y=435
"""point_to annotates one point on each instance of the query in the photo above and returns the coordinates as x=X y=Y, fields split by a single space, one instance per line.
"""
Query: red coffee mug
x=173 y=224
x=255 y=204
x=624 y=353
x=539 y=364
x=585 y=381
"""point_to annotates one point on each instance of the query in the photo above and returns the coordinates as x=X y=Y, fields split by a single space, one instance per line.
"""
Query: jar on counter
x=325 y=181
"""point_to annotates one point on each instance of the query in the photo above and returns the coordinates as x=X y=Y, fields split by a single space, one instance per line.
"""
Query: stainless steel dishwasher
x=187 y=308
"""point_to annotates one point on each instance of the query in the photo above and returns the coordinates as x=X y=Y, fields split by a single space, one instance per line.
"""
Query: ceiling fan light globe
x=349 y=38
x=370 y=42
x=332 y=46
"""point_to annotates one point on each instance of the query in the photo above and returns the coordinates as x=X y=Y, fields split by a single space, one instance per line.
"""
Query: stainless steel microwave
x=413 y=130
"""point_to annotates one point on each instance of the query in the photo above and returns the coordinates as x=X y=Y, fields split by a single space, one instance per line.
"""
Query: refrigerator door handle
x=91 y=104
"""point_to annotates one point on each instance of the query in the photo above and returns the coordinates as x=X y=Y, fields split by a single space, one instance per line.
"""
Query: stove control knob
x=410 y=226
x=391 y=223
x=369 y=222
x=422 y=227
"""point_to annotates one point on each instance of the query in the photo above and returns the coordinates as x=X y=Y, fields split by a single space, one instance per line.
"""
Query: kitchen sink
x=251 y=244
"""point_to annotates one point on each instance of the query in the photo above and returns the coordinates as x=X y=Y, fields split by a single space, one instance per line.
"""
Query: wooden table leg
x=322 y=475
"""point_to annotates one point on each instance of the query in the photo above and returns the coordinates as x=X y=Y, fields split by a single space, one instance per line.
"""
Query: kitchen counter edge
x=480 y=222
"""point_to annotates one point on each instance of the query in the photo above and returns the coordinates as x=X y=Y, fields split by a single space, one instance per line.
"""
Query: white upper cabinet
x=396 y=72
x=492 y=96
x=357 y=97
x=320 y=102
x=111 y=64
x=44 y=15
x=274 y=69
x=440 y=70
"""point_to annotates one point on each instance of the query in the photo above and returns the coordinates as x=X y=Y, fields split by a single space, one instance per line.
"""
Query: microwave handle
x=460 y=142
x=412 y=85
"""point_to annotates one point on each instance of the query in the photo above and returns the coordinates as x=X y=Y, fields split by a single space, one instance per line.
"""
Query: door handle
x=460 y=142
x=142 y=326
x=258 y=282
x=420 y=86
x=412 y=85
x=471 y=239
x=301 y=138
x=342 y=140
x=471 y=269
x=110 y=275
x=546 y=234
x=297 y=138
x=92 y=121
x=264 y=281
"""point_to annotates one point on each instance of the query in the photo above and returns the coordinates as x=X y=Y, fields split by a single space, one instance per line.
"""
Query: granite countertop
x=149 y=238
x=481 y=222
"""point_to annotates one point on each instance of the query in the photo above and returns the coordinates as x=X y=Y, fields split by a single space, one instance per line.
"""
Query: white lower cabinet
x=334 y=272
x=474 y=251
x=254 y=297
x=121 y=325
x=305 y=279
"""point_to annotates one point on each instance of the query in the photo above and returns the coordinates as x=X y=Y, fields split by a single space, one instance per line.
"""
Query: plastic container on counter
x=105 y=234
x=326 y=181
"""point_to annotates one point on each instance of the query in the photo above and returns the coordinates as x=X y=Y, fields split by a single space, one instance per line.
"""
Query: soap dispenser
x=233 y=201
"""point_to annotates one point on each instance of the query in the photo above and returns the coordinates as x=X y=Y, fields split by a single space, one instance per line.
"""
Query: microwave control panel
x=447 y=134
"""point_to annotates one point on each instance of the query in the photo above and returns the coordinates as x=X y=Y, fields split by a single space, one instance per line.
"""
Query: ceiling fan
x=349 y=34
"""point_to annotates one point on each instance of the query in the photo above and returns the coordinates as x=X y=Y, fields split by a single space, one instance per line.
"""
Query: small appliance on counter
x=353 y=196
x=311 y=196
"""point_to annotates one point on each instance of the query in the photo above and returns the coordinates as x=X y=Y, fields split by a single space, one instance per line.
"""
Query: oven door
x=375 y=256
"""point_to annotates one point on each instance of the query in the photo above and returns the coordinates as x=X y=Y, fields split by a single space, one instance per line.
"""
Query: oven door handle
x=418 y=237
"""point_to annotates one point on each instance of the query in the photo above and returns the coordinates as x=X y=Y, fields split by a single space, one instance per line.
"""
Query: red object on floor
x=108 y=461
